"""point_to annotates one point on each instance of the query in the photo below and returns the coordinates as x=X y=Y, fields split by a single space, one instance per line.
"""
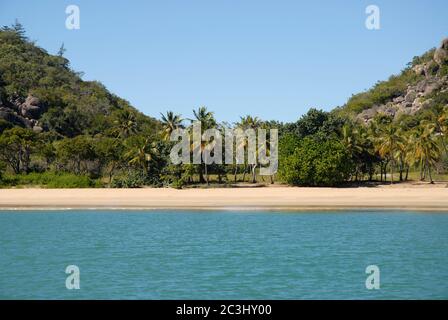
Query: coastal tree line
x=58 y=130
x=320 y=149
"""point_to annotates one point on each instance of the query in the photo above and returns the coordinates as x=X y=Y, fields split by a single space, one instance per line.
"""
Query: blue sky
x=272 y=59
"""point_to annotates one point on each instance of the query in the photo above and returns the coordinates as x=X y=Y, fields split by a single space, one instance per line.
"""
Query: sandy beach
x=397 y=197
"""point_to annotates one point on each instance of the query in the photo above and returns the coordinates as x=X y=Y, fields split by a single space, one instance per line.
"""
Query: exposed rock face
x=38 y=129
x=416 y=97
x=23 y=114
x=12 y=116
x=31 y=108
x=440 y=56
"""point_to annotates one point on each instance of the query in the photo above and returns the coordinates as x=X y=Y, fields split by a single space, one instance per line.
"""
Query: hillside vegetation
x=39 y=91
x=421 y=86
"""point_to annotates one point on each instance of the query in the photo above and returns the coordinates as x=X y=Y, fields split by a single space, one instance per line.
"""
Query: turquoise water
x=223 y=255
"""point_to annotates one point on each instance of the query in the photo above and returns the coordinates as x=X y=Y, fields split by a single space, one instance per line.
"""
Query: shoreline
x=278 y=198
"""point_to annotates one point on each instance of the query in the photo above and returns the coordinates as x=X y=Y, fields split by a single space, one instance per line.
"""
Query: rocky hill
x=41 y=92
x=419 y=87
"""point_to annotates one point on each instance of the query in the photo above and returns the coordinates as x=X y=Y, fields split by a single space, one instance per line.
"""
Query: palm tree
x=440 y=123
x=403 y=150
x=374 y=132
x=442 y=127
x=249 y=122
x=351 y=140
x=425 y=149
x=207 y=120
x=389 y=142
x=170 y=122
x=141 y=153
x=402 y=153
x=126 y=124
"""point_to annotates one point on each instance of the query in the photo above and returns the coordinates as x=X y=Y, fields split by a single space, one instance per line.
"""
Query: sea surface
x=223 y=254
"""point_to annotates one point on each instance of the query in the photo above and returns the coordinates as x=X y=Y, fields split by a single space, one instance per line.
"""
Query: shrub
x=51 y=179
x=316 y=163
x=134 y=179
x=178 y=184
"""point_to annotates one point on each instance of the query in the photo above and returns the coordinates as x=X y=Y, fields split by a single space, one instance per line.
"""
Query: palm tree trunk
x=111 y=171
x=201 y=174
x=254 y=167
x=391 y=173
x=429 y=172
x=392 y=170
x=401 y=169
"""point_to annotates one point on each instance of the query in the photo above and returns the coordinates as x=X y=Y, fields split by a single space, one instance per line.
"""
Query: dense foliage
x=317 y=163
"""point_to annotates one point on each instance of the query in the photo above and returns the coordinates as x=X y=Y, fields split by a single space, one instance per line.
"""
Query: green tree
x=207 y=120
x=125 y=124
x=140 y=151
x=109 y=152
x=316 y=163
x=170 y=122
x=249 y=122
x=425 y=149
x=309 y=124
x=16 y=145
x=46 y=149
x=75 y=153
x=389 y=142
x=355 y=139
